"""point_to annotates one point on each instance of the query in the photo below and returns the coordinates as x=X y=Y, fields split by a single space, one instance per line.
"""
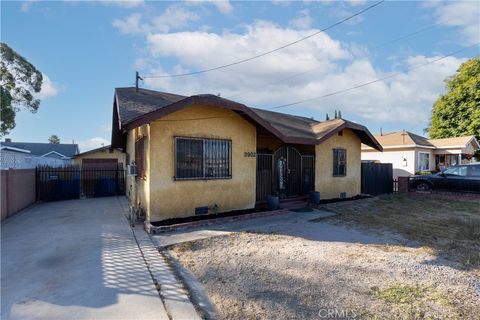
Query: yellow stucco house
x=206 y=151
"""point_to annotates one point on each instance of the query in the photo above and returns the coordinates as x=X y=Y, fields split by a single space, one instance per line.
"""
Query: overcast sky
x=86 y=49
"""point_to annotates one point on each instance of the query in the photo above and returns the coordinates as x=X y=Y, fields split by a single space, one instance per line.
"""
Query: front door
x=288 y=170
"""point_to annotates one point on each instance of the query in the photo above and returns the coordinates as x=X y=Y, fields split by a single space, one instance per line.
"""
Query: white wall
x=395 y=157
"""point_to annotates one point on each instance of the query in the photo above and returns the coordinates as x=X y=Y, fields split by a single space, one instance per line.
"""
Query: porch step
x=294 y=199
x=293 y=204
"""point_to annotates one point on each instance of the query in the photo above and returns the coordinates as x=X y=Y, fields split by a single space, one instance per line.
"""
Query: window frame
x=337 y=164
x=419 y=166
x=204 y=177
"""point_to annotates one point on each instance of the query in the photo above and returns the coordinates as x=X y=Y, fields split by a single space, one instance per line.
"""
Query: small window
x=339 y=162
x=140 y=157
x=423 y=161
x=197 y=158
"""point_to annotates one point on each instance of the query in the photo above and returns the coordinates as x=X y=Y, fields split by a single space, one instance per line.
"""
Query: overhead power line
x=267 y=52
x=374 y=81
x=389 y=42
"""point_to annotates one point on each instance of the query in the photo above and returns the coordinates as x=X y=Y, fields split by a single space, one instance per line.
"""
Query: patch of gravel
x=270 y=276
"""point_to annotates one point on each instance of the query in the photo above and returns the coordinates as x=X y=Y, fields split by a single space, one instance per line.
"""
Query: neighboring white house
x=26 y=155
x=410 y=153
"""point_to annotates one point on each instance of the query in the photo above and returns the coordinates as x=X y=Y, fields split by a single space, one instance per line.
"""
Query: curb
x=151 y=229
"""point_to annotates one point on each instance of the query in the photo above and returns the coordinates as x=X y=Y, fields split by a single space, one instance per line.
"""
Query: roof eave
x=358 y=129
x=217 y=102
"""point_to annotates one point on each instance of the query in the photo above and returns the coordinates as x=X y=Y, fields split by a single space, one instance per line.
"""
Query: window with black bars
x=197 y=158
x=339 y=162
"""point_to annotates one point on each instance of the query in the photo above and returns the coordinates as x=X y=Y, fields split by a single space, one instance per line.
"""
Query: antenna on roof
x=137 y=77
x=381 y=131
x=403 y=136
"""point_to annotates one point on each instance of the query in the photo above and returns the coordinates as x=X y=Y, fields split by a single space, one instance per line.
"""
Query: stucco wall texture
x=173 y=199
x=329 y=186
x=162 y=197
x=138 y=188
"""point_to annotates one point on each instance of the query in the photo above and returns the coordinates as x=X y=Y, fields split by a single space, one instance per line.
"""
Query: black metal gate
x=75 y=182
x=285 y=171
x=377 y=178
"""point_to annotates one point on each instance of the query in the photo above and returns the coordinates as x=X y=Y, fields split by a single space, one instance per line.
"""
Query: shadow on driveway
x=75 y=259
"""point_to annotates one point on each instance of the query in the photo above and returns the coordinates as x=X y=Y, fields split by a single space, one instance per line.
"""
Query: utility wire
x=374 y=81
x=389 y=42
x=267 y=52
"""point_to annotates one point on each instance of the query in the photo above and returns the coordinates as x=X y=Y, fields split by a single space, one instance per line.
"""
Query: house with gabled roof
x=48 y=150
x=410 y=153
x=204 y=151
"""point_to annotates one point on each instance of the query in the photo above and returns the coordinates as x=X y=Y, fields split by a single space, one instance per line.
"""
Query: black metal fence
x=377 y=178
x=74 y=182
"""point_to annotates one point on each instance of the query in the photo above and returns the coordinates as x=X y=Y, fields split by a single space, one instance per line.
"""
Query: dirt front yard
x=308 y=267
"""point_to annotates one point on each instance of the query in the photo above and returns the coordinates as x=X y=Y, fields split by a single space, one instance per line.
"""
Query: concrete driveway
x=75 y=260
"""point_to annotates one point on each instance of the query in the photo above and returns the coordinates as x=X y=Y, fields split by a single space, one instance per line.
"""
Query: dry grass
x=413 y=302
x=450 y=228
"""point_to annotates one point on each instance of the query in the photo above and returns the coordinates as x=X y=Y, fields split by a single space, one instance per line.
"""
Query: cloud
x=174 y=17
x=327 y=65
x=302 y=21
x=25 y=6
x=224 y=6
x=49 y=89
x=130 y=25
x=123 y=3
x=343 y=10
x=92 y=143
x=462 y=14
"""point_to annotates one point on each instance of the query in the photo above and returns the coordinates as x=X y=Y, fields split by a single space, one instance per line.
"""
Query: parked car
x=456 y=178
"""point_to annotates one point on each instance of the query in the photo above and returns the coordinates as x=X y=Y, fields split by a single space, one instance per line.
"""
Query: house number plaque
x=250 y=154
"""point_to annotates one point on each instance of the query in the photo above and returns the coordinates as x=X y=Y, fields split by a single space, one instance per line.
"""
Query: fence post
x=403 y=184
x=8 y=187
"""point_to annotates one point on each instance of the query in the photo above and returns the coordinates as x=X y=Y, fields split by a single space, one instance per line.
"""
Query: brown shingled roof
x=133 y=109
x=454 y=142
x=408 y=139
x=401 y=138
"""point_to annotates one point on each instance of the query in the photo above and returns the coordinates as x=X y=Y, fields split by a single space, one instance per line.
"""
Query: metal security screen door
x=287 y=163
x=286 y=171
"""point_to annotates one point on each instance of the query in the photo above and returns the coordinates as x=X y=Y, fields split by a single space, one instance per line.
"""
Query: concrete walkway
x=173 y=294
x=280 y=224
x=75 y=260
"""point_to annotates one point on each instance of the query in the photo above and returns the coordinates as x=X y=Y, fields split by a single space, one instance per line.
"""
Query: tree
x=54 y=139
x=19 y=81
x=457 y=112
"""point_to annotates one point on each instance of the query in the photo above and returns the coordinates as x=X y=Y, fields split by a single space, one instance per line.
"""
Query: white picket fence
x=17 y=160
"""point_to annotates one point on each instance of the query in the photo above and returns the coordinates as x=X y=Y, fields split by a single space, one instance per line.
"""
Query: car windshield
x=456 y=171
